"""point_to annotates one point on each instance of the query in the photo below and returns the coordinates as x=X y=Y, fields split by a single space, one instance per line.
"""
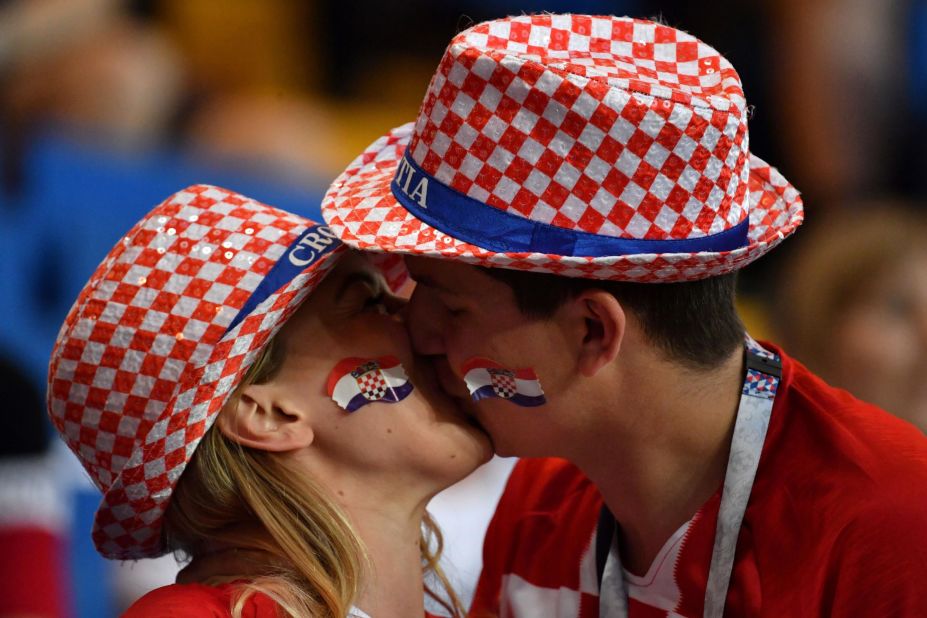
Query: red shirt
x=836 y=525
x=200 y=601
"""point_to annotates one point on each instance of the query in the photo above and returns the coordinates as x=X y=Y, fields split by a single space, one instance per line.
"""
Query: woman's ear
x=602 y=329
x=258 y=419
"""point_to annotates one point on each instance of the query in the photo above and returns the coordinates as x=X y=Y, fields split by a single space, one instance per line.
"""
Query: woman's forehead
x=353 y=268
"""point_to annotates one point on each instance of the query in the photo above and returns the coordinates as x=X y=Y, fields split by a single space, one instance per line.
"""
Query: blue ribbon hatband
x=311 y=246
x=467 y=219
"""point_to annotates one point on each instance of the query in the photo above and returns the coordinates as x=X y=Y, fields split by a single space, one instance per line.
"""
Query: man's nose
x=424 y=319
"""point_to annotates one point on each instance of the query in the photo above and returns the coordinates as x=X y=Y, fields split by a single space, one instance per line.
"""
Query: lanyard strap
x=764 y=370
x=613 y=590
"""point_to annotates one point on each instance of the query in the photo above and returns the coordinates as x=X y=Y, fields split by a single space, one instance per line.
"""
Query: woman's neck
x=393 y=587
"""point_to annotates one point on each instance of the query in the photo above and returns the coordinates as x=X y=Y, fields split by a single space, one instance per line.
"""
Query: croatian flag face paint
x=486 y=378
x=355 y=382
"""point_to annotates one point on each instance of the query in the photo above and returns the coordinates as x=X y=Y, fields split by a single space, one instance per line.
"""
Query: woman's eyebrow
x=364 y=276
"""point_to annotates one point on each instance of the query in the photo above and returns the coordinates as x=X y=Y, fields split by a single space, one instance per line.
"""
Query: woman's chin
x=482 y=450
x=482 y=445
x=481 y=440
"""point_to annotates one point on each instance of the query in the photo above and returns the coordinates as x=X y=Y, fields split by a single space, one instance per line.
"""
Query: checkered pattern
x=611 y=126
x=760 y=385
x=757 y=383
x=143 y=362
x=372 y=385
x=393 y=268
x=503 y=383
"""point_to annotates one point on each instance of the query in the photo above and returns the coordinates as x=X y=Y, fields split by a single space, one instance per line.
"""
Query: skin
x=384 y=462
x=653 y=435
x=887 y=327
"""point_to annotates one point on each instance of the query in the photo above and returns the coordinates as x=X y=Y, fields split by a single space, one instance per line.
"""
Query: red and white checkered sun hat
x=162 y=334
x=598 y=147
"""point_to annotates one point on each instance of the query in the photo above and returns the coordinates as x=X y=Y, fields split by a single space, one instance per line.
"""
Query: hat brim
x=361 y=210
x=128 y=522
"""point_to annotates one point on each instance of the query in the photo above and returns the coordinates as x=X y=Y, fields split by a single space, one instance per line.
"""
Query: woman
x=308 y=437
x=852 y=304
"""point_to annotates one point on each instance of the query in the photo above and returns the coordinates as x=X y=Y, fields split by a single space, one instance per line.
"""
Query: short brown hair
x=694 y=323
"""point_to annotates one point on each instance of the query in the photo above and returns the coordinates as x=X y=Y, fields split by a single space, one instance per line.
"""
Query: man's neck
x=661 y=450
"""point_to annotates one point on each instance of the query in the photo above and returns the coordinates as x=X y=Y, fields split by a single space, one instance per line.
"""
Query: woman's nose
x=396 y=305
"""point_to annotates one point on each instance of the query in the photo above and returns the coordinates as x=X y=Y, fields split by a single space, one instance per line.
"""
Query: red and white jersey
x=834 y=526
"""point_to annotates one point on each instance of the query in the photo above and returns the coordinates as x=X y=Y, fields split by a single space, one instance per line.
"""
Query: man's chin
x=467 y=410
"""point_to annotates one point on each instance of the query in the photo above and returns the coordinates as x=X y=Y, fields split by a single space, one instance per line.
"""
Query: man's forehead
x=446 y=275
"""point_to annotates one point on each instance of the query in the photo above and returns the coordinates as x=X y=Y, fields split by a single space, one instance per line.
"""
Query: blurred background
x=107 y=107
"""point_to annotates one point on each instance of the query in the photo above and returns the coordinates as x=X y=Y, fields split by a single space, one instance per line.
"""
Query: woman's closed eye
x=377 y=302
x=377 y=298
x=363 y=292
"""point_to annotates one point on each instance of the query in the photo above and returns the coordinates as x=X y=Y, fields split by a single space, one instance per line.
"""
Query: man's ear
x=603 y=323
x=258 y=419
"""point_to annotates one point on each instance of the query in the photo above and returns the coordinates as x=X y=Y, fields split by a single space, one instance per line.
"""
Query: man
x=575 y=199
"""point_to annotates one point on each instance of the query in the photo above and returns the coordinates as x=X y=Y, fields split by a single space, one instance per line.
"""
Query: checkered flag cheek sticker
x=356 y=382
x=145 y=359
x=503 y=383
x=372 y=385
x=487 y=379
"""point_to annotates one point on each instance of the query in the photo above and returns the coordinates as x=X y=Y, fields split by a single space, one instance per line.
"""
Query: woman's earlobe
x=604 y=323
x=256 y=420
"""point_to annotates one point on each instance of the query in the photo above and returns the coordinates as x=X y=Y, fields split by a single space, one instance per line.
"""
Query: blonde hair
x=316 y=561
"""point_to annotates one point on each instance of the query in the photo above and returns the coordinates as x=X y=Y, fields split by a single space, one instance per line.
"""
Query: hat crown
x=581 y=146
x=625 y=53
x=609 y=126
x=155 y=308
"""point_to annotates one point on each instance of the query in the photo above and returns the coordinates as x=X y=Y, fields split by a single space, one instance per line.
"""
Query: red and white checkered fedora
x=599 y=147
x=160 y=337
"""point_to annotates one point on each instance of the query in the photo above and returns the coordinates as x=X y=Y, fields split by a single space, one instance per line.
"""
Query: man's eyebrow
x=363 y=276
